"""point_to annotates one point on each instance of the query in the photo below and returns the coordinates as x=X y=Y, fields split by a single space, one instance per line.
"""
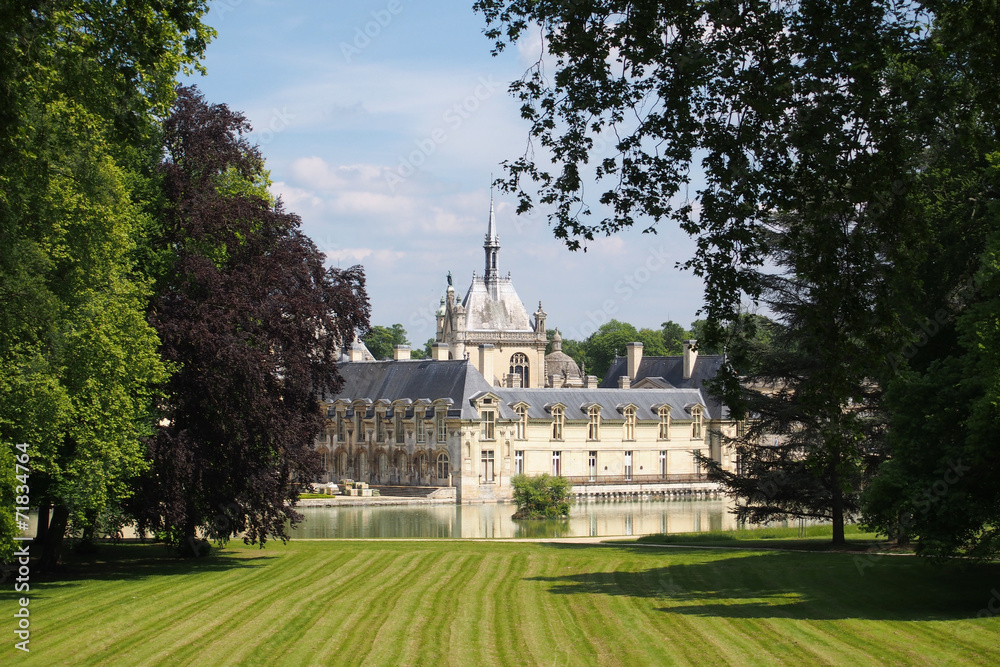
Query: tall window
x=628 y=466
x=663 y=462
x=341 y=428
x=488 y=461
x=359 y=429
x=421 y=428
x=522 y=422
x=664 y=422
x=400 y=431
x=630 y=423
x=442 y=428
x=594 y=428
x=519 y=365
x=557 y=423
x=442 y=466
x=489 y=425
x=325 y=462
x=592 y=466
x=696 y=417
x=380 y=427
x=518 y=461
x=556 y=463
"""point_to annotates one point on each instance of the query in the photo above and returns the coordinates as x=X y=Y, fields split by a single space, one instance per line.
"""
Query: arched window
x=629 y=413
x=594 y=428
x=664 y=422
x=442 y=466
x=519 y=365
x=557 y=423
x=522 y=422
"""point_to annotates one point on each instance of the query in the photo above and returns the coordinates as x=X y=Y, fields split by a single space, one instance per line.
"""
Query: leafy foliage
x=540 y=497
x=253 y=322
x=381 y=341
x=80 y=85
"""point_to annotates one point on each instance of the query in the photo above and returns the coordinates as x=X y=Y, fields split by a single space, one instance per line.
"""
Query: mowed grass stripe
x=416 y=608
x=257 y=618
x=463 y=603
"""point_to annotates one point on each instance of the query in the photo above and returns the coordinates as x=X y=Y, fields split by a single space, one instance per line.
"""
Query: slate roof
x=668 y=371
x=612 y=401
x=484 y=313
x=416 y=379
x=458 y=382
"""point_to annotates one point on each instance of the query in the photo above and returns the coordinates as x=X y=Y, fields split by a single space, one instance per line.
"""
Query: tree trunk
x=838 y=516
x=54 y=537
x=43 y=523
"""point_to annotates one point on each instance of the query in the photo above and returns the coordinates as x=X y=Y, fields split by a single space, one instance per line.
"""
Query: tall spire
x=491 y=246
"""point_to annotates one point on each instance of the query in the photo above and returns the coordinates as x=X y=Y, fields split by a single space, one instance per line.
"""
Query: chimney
x=356 y=353
x=486 y=362
x=690 y=356
x=634 y=359
x=624 y=382
x=590 y=382
x=512 y=380
x=440 y=351
x=401 y=352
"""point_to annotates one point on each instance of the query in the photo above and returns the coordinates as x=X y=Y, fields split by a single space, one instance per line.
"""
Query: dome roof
x=558 y=362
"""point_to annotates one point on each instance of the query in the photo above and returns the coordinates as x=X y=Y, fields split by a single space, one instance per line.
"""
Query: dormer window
x=558 y=417
x=664 y=414
x=421 y=427
x=489 y=418
x=440 y=426
x=594 y=426
x=522 y=422
x=629 y=414
x=399 y=430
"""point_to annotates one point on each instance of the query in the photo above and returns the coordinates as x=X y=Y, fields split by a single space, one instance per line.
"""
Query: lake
x=586 y=519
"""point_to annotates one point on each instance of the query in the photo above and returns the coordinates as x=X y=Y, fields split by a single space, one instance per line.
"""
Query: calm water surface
x=587 y=519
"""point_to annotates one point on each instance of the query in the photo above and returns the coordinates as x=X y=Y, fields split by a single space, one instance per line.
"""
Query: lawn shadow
x=130 y=562
x=813 y=586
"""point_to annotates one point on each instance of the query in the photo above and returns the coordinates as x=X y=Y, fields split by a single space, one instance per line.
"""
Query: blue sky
x=381 y=123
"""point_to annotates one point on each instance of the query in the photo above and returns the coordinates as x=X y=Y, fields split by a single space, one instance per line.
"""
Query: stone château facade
x=491 y=404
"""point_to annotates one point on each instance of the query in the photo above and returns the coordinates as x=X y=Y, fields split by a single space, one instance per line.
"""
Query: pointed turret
x=491 y=246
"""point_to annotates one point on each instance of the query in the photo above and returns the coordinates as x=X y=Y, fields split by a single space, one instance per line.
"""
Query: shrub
x=541 y=497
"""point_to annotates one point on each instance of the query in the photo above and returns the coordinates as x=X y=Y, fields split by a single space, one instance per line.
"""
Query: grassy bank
x=812 y=538
x=484 y=603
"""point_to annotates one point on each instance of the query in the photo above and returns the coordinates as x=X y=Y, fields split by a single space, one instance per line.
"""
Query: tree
x=81 y=85
x=540 y=497
x=382 y=340
x=426 y=352
x=612 y=339
x=674 y=336
x=781 y=107
x=252 y=322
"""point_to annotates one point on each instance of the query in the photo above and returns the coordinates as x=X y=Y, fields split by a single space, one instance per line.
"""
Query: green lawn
x=482 y=603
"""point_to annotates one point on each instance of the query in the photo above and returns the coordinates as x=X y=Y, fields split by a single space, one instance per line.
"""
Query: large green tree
x=81 y=87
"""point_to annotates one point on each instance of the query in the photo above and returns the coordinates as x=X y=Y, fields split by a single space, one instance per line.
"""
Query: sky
x=382 y=124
